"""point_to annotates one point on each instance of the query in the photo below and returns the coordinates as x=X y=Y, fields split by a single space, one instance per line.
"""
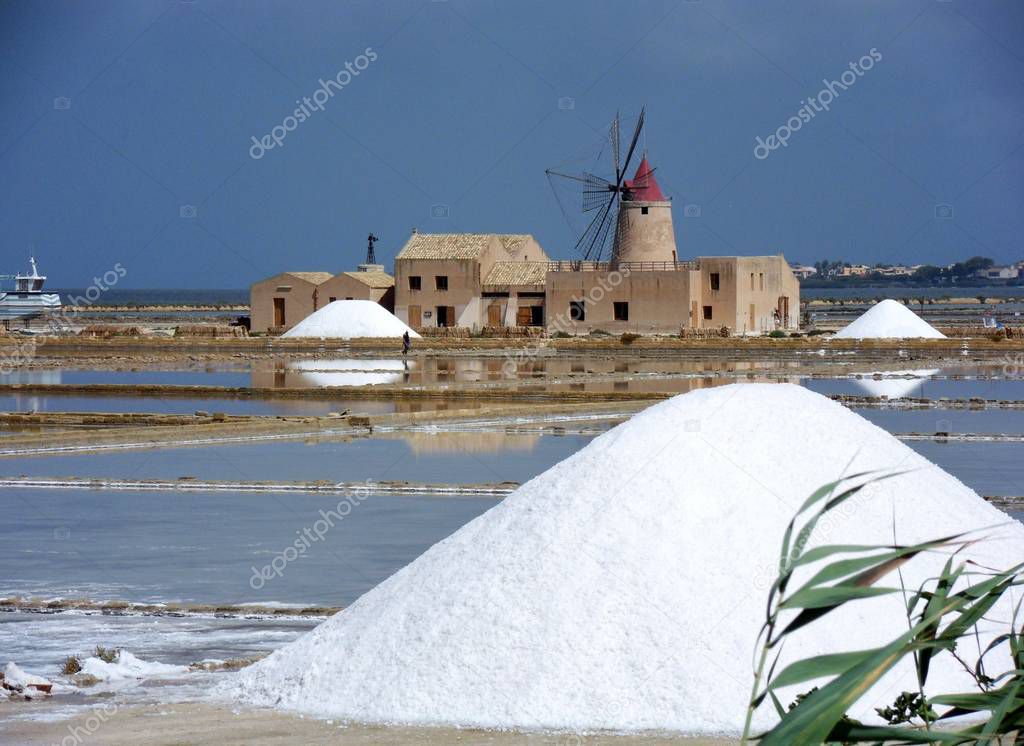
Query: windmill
x=603 y=197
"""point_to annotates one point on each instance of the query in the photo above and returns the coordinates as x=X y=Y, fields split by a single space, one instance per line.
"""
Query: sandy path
x=173 y=725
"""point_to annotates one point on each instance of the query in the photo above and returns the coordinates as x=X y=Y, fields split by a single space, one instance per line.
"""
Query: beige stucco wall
x=298 y=300
x=463 y=289
x=341 y=286
x=659 y=301
x=731 y=303
x=528 y=251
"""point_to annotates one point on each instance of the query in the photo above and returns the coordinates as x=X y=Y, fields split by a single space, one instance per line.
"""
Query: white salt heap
x=624 y=587
x=889 y=319
x=350 y=319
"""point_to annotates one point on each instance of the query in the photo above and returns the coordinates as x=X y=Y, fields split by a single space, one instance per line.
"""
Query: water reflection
x=897 y=384
x=44 y=376
x=349 y=372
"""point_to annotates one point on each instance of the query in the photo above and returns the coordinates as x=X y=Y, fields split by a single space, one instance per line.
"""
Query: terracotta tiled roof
x=373 y=279
x=314 y=277
x=516 y=273
x=458 y=245
x=445 y=246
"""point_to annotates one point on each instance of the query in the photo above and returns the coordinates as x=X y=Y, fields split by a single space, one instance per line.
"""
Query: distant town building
x=1011 y=272
x=897 y=270
x=855 y=270
x=803 y=271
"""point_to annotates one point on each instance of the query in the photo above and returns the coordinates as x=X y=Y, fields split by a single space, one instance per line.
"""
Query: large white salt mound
x=350 y=319
x=624 y=587
x=889 y=319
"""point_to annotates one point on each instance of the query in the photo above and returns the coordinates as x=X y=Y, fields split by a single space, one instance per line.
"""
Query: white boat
x=27 y=300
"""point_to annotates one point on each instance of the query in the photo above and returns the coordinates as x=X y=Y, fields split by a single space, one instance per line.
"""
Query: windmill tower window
x=643 y=210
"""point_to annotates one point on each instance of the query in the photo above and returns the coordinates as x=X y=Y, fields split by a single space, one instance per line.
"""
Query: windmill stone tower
x=644 y=232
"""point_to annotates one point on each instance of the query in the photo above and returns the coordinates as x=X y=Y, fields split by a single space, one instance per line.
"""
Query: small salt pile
x=350 y=319
x=889 y=319
x=623 y=588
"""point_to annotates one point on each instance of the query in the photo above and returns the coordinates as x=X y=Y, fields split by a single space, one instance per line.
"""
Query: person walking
x=406 y=343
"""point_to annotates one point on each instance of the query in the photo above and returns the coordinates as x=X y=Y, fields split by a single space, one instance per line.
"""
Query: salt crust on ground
x=889 y=319
x=350 y=319
x=623 y=588
x=128 y=666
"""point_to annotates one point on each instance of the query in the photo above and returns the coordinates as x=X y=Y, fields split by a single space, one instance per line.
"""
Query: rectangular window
x=751 y=280
x=643 y=210
x=762 y=280
x=577 y=310
x=441 y=282
x=707 y=313
x=415 y=282
x=715 y=281
x=621 y=310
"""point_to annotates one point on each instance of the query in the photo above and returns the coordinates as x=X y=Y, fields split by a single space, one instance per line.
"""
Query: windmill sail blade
x=632 y=146
x=615 y=146
x=592 y=243
x=586 y=178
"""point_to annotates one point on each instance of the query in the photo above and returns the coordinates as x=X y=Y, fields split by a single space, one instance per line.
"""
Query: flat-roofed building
x=646 y=289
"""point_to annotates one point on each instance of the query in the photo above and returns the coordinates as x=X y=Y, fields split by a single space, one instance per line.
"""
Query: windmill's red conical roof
x=643 y=185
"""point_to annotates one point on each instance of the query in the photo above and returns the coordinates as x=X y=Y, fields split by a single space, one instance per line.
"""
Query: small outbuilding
x=280 y=302
x=369 y=282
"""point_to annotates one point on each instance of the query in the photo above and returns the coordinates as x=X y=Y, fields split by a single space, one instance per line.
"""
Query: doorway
x=446 y=315
x=415 y=317
x=278 y=311
x=783 y=310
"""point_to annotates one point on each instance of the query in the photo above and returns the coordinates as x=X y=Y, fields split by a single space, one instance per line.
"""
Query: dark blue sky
x=116 y=117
